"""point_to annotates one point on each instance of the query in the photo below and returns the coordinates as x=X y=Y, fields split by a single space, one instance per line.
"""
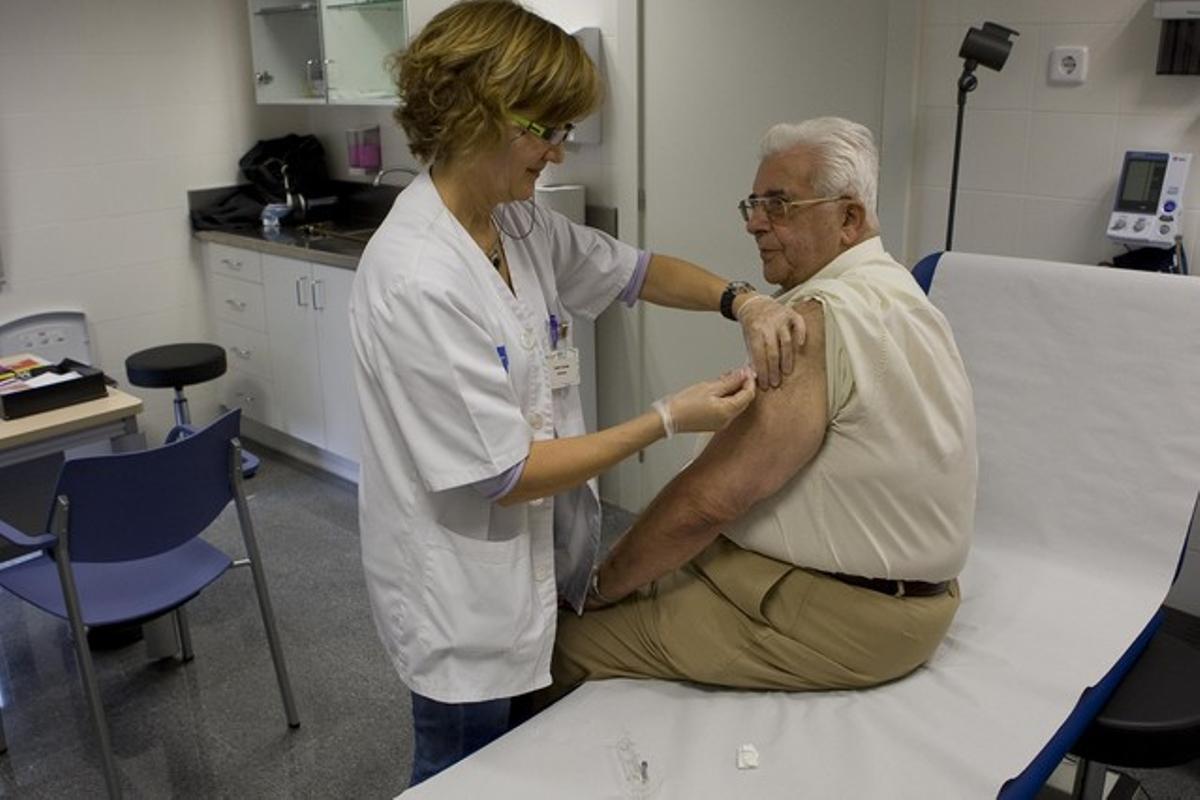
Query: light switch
x=1068 y=65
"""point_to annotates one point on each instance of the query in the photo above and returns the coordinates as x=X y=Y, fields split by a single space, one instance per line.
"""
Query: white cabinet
x=237 y=302
x=359 y=35
x=308 y=323
x=325 y=51
x=285 y=327
x=292 y=328
x=335 y=354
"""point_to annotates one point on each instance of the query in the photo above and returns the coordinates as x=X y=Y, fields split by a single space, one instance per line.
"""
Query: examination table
x=1087 y=390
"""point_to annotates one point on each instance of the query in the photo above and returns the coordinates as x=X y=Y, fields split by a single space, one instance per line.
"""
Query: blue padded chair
x=125 y=548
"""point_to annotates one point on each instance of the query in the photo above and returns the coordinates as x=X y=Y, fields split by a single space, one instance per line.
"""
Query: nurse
x=477 y=500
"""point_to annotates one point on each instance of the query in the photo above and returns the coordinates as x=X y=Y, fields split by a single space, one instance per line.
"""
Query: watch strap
x=732 y=290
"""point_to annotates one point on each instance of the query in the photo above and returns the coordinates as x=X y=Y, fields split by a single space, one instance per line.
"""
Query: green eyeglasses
x=552 y=136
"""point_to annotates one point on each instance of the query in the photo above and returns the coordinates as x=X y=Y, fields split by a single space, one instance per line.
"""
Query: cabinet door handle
x=236 y=266
x=241 y=352
x=318 y=295
x=237 y=305
x=302 y=292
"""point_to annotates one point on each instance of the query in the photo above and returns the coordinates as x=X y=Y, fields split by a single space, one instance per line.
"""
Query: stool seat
x=1153 y=718
x=175 y=365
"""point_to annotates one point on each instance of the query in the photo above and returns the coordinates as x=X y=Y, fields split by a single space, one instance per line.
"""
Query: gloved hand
x=773 y=333
x=708 y=405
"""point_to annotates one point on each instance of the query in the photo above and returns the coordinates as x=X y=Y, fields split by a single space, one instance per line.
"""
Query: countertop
x=334 y=252
x=359 y=209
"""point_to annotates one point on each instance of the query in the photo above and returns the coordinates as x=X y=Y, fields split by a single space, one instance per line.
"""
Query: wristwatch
x=732 y=290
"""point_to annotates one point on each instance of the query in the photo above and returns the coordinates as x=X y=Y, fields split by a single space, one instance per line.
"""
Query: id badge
x=563 y=364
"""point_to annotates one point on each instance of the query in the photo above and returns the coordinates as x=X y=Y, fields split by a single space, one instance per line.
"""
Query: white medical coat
x=463 y=591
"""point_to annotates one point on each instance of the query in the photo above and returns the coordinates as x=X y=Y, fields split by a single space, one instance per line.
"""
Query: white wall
x=717 y=75
x=109 y=113
x=1040 y=162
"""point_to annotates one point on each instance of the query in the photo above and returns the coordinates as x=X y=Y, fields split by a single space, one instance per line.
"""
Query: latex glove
x=773 y=333
x=708 y=405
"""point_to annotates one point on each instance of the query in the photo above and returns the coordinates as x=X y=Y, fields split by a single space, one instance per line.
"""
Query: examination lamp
x=988 y=46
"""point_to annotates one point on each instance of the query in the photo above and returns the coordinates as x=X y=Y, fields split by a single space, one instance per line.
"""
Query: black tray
x=88 y=386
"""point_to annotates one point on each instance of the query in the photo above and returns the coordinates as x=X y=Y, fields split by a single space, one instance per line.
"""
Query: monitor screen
x=1141 y=184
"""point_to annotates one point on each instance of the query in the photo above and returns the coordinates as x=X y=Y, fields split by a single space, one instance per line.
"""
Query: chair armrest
x=14 y=536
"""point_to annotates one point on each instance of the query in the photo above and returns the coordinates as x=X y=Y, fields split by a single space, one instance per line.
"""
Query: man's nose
x=757 y=222
x=557 y=153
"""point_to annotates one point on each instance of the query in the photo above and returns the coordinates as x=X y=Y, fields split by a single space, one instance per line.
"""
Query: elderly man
x=814 y=543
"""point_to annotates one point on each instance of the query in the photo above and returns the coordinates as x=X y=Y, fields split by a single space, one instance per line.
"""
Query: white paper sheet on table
x=1087 y=384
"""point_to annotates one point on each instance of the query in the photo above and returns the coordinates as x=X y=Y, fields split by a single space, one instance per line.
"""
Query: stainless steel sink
x=329 y=230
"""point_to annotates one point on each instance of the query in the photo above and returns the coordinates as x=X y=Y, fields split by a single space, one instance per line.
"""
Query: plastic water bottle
x=272 y=213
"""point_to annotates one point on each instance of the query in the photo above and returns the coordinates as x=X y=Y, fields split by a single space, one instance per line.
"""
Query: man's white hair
x=846 y=161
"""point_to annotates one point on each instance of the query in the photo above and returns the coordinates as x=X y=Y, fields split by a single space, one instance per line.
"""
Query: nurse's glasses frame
x=551 y=136
x=777 y=207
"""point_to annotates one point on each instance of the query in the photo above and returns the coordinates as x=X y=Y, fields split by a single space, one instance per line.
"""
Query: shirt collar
x=845 y=260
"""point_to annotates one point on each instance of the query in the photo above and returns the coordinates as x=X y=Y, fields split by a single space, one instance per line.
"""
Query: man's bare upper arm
x=771 y=441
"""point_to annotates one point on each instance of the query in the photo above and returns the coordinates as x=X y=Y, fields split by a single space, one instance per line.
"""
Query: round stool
x=1152 y=719
x=175 y=366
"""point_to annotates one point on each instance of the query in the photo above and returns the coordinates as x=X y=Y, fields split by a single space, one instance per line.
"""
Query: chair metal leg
x=185 y=635
x=182 y=415
x=260 y=586
x=82 y=653
x=1089 y=780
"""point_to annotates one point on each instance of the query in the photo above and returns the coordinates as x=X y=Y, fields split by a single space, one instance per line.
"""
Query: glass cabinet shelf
x=366 y=4
x=293 y=8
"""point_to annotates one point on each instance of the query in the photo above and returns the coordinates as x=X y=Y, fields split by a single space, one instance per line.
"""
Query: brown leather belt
x=894 y=588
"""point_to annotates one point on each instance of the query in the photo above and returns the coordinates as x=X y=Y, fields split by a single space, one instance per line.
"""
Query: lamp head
x=988 y=46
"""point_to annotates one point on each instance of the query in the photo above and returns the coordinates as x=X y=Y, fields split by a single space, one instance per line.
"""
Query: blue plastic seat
x=124 y=548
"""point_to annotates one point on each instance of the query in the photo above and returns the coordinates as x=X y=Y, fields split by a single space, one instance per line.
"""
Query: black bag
x=262 y=165
x=238 y=209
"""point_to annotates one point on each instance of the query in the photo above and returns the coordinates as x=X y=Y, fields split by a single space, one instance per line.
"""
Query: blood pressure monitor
x=1149 y=199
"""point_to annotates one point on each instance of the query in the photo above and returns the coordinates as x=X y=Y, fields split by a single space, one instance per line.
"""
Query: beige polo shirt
x=891 y=492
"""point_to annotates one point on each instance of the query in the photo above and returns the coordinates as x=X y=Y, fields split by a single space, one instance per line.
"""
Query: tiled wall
x=109 y=112
x=1040 y=162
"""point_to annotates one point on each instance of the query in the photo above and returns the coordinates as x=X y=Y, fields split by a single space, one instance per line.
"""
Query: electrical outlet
x=1068 y=65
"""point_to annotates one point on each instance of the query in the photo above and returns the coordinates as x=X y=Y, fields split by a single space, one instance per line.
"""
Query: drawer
x=245 y=350
x=235 y=262
x=239 y=302
x=253 y=395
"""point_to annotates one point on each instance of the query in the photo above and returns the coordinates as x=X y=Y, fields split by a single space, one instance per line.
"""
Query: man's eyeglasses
x=777 y=207
x=552 y=136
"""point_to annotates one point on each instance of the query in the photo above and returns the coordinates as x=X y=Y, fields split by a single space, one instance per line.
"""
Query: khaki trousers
x=736 y=618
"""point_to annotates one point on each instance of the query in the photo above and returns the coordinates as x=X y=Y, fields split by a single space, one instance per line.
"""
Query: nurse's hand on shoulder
x=773 y=333
x=709 y=405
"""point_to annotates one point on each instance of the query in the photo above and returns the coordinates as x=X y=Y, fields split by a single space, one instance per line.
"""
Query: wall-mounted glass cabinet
x=325 y=51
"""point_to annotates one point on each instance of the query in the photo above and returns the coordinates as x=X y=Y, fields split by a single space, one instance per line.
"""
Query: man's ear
x=854 y=222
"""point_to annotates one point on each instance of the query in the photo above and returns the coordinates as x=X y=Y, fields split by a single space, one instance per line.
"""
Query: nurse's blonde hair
x=478 y=61
x=845 y=160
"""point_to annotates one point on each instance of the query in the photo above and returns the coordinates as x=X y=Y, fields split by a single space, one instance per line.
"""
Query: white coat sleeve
x=447 y=387
x=590 y=267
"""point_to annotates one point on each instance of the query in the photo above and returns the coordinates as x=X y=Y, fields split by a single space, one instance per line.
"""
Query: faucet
x=379 y=175
x=295 y=200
